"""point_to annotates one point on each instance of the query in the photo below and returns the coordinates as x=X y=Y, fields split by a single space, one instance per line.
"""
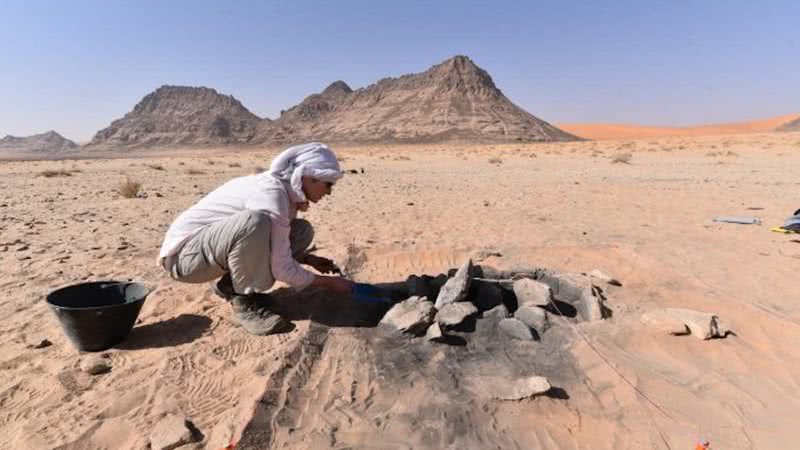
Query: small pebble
x=43 y=343
x=95 y=364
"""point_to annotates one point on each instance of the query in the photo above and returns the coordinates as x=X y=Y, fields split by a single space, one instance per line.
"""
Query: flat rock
x=171 y=432
x=95 y=364
x=434 y=332
x=457 y=287
x=686 y=321
x=591 y=305
x=518 y=389
x=498 y=312
x=413 y=315
x=566 y=286
x=515 y=329
x=596 y=274
x=452 y=314
x=534 y=317
x=532 y=292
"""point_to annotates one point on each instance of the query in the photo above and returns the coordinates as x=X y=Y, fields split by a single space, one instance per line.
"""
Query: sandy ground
x=631 y=131
x=421 y=210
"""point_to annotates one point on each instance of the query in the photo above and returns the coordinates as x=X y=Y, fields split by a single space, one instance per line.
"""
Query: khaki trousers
x=240 y=245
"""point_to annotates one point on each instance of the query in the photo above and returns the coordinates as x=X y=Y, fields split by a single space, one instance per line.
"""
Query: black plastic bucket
x=98 y=315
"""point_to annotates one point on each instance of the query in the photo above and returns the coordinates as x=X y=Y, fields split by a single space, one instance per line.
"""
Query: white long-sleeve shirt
x=261 y=192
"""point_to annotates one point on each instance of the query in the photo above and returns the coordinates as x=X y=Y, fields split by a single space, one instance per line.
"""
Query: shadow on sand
x=167 y=333
x=324 y=308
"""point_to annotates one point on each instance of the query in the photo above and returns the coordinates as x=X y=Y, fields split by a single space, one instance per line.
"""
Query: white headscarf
x=314 y=160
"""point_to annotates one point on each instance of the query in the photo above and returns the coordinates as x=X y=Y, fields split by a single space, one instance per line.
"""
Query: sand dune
x=336 y=382
x=631 y=131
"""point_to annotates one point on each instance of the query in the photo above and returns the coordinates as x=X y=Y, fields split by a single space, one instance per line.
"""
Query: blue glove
x=367 y=293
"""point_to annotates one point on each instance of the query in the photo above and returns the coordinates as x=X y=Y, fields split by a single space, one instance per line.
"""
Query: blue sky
x=75 y=66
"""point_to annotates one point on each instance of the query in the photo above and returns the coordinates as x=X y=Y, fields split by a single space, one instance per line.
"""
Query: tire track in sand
x=259 y=432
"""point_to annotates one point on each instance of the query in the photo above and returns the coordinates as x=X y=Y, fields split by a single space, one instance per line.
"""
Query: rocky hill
x=49 y=142
x=794 y=125
x=454 y=100
x=181 y=116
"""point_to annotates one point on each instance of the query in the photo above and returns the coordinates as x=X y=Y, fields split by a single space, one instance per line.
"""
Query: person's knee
x=257 y=221
x=301 y=235
x=303 y=228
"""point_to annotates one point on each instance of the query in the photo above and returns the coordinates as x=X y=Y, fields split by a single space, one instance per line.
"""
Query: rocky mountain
x=181 y=116
x=454 y=100
x=794 y=125
x=49 y=142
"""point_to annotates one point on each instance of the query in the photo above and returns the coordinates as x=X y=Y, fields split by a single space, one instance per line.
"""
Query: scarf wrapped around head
x=313 y=160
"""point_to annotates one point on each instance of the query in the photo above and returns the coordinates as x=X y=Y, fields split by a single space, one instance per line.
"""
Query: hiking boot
x=256 y=318
x=224 y=287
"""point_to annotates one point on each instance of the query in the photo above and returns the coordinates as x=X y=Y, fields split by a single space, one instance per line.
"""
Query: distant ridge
x=453 y=100
x=181 y=116
x=793 y=125
x=48 y=142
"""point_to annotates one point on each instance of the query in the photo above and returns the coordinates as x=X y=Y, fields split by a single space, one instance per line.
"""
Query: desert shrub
x=621 y=158
x=234 y=164
x=194 y=172
x=155 y=166
x=129 y=188
x=55 y=173
x=258 y=170
x=495 y=160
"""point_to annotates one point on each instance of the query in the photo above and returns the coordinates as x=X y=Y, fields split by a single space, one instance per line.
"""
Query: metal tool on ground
x=741 y=220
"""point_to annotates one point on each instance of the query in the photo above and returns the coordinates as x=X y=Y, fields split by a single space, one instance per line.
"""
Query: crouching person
x=245 y=234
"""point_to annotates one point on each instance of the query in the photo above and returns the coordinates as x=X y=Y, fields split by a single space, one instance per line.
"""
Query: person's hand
x=323 y=265
x=337 y=285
